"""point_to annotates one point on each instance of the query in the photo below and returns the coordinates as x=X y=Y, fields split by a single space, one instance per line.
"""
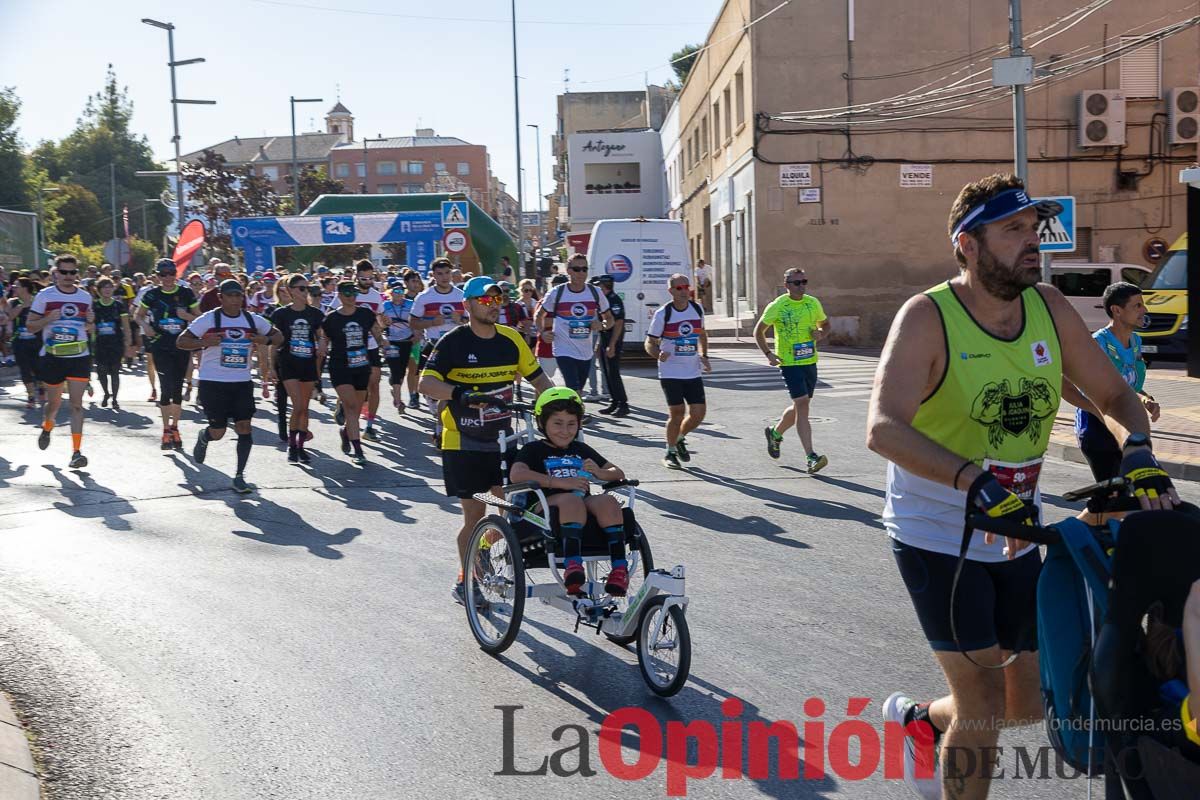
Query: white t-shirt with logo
x=431 y=303
x=373 y=300
x=681 y=338
x=67 y=336
x=228 y=362
x=573 y=313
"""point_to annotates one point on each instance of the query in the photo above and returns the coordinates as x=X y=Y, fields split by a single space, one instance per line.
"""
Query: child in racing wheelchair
x=560 y=465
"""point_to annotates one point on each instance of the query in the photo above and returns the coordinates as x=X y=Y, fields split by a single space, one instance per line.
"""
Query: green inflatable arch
x=488 y=239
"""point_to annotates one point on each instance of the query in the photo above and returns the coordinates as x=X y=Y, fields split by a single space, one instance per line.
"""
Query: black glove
x=1144 y=474
x=989 y=496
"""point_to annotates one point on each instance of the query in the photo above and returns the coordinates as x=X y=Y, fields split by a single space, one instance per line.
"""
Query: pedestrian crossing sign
x=456 y=214
x=1057 y=234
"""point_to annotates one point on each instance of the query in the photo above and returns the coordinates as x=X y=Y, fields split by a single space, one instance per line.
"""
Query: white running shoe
x=895 y=709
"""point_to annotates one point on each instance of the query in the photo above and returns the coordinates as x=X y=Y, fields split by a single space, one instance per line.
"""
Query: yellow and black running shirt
x=461 y=358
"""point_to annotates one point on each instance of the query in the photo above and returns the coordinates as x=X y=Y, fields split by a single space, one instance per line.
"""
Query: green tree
x=218 y=193
x=102 y=137
x=87 y=254
x=314 y=182
x=80 y=214
x=682 y=61
x=13 y=192
x=143 y=254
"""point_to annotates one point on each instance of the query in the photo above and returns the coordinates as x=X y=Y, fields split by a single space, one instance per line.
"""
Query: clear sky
x=400 y=64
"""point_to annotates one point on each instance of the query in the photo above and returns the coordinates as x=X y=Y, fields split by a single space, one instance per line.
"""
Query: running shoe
x=153 y=398
x=104 y=400
x=303 y=455
x=458 y=591
x=617 y=582
x=293 y=455
x=574 y=576
x=240 y=486
x=339 y=414
x=115 y=405
x=773 y=442
x=187 y=393
x=671 y=461
x=168 y=442
x=370 y=435
x=176 y=438
x=681 y=448
x=358 y=458
x=414 y=400
x=43 y=439
x=898 y=708
x=400 y=407
x=345 y=441
x=78 y=460
x=608 y=409
x=816 y=463
x=201 y=448
x=622 y=410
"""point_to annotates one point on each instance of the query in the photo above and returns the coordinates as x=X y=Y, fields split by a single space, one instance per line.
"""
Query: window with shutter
x=1141 y=69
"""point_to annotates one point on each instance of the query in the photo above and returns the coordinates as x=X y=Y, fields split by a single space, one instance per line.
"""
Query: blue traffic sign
x=456 y=214
x=1057 y=234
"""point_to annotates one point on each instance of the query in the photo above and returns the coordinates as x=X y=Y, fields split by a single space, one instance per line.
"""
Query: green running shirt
x=794 y=321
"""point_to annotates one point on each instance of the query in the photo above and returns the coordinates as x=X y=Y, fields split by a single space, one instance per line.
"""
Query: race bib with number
x=803 y=350
x=687 y=346
x=580 y=330
x=171 y=324
x=1020 y=479
x=391 y=351
x=356 y=358
x=300 y=347
x=107 y=328
x=63 y=334
x=235 y=356
x=564 y=466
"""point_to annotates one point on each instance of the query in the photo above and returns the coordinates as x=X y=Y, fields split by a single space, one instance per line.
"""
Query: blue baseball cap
x=478 y=286
x=1003 y=205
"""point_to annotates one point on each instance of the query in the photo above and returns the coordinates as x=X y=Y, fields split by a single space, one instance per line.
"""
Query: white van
x=1084 y=283
x=640 y=255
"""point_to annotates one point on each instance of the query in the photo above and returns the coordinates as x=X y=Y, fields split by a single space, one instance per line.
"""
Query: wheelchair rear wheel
x=636 y=578
x=494 y=584
x=664 y=647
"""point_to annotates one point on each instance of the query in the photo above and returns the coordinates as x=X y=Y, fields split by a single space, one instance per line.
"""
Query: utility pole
x=112 y=191
x=295 y=169
x=541 y=220
x=175 y=102
x=42 y=219
x=529 y=273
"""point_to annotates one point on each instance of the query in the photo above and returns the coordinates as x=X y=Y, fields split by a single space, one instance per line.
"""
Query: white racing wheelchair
x=509 y=546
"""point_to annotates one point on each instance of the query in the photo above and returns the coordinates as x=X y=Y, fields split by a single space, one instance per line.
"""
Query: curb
x=1176 y=469
x=18 y=775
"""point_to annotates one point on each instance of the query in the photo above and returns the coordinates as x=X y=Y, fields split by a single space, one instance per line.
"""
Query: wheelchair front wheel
x=664 y=647
x=494 y=584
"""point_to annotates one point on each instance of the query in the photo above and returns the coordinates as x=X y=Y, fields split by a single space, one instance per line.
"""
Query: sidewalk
x=1176 y=434
x=18 y=779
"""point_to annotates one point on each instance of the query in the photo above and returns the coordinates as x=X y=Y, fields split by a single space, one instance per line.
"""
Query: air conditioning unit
x=1101 y=118
x=1183 y=107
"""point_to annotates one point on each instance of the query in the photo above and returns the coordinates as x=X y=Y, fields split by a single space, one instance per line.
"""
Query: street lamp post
x=366 y=162
x=295 y=169
x=175 y=103
x=42 y=218
x=541 y=220
x=517 y=125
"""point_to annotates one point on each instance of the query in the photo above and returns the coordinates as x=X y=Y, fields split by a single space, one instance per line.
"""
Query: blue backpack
x=1072 y=601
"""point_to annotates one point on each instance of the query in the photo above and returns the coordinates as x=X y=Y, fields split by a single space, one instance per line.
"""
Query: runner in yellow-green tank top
x=967 y=390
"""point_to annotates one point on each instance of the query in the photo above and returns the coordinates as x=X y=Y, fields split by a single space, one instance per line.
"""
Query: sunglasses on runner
x=578 y=269
x=348 y=292
x=682 y=286
x=801 y=282
x=489 y=300
x=68 y=272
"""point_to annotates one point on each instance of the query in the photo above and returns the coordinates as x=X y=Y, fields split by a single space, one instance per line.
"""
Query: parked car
x=1084 y=282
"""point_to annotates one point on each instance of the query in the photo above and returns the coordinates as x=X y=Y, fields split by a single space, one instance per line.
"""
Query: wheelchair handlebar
x=1003 y=527
x=1118 y=485
x=618 y=484
x=523 y=486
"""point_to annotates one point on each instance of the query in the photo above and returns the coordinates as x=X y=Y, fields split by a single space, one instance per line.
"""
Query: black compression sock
x=244 y=442
x=357 y=445
x=615 y=534
x=920 y=713
x=572 y=534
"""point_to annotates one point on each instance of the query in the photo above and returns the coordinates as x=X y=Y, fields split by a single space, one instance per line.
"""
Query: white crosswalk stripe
x=747 y=371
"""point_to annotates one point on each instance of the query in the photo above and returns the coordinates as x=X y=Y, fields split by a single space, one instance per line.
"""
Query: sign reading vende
x=1057 y=234
x=916 y=176
x=795 y=176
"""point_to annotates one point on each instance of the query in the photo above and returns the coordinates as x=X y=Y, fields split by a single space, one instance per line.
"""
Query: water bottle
x=582 y=474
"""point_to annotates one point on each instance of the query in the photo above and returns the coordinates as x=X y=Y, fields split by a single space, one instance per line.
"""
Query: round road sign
x=1154 y=250
x=456 y=241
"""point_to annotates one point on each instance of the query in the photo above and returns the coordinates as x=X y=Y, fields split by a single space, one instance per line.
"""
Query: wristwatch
x=1136 y=440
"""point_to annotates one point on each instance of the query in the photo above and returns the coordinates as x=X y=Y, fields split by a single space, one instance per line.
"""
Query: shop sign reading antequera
x=795 y=176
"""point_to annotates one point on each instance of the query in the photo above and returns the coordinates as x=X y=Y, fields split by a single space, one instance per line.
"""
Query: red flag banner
x=191 y=239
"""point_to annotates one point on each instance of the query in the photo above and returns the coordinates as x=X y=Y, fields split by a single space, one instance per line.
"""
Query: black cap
x=230 y=286
x=604 y=279
x=165 y=264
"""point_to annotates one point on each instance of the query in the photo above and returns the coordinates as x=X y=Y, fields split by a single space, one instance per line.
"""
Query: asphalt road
x=167 y=638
